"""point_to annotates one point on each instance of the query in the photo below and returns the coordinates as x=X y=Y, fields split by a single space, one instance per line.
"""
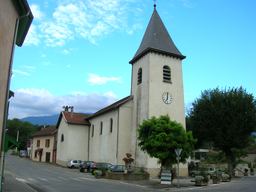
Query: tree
x=159 y=137
x=25 y=129
x=226 y=118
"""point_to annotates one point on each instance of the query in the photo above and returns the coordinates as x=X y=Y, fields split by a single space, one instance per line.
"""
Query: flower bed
x=127 y=176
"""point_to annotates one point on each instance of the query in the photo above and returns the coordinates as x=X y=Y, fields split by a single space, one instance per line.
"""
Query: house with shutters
x=43 y=144
x=156 y=89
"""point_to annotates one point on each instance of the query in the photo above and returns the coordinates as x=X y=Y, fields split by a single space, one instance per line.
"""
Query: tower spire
x=154 y=4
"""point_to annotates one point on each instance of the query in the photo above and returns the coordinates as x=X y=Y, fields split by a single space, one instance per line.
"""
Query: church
x=156 y=89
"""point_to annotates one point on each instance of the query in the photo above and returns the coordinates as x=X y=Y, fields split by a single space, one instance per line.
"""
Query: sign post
x=178 y=152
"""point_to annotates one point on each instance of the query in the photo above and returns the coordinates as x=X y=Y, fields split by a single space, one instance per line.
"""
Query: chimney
x=71 y=115
x=65 y=108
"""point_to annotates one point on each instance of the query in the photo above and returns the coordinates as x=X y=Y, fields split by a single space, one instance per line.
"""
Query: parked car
x=208 y=170
x=73 y=163
x=99 y=165
x=117 y=168
x=85 y=166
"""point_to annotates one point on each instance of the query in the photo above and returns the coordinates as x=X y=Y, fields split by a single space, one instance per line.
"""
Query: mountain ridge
x=42 y=120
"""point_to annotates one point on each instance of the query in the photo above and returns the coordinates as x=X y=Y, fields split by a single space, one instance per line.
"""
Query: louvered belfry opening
x=166 y=74
x=139 y=76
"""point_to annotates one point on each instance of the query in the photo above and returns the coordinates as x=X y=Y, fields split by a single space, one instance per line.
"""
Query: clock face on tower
x=167 y=98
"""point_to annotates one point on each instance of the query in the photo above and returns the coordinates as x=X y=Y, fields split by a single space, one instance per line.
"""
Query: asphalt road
x=45 y=177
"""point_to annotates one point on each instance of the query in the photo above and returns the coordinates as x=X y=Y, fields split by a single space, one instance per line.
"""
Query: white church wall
x=75 y=136
x=125 y=125
x=140 y=108
x=103 y=147
x=157 y=107
x=62 y=149
x=77 y=142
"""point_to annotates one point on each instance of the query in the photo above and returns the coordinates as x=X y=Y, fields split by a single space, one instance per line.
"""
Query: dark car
x=85 y=166
x=99 y=165
x=117 y=168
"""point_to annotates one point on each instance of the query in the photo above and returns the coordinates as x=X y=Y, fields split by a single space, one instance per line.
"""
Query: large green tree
x=226 y=118
x=159 y=137
x=23 y=129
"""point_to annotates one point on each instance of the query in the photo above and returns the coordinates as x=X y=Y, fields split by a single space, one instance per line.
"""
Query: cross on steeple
x=154 y=3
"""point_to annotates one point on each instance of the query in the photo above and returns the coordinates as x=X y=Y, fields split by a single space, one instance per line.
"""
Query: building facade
x=44 y=145
x=156 y=89
x=15 y=20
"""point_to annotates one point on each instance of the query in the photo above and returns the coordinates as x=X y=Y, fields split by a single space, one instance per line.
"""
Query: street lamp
x=178 y=152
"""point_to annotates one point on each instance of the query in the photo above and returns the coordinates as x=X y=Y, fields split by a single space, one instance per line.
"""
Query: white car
x=73 y=163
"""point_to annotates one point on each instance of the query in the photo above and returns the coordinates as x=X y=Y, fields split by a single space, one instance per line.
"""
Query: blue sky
x=77 y=52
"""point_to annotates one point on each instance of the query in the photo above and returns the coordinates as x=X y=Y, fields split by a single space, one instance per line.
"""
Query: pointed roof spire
x=157 y=39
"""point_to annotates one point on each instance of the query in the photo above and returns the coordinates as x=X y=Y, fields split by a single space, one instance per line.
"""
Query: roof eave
x=149 y=49
x=24 y=23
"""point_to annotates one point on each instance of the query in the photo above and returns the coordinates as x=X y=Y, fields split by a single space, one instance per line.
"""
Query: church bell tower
x=157 y=84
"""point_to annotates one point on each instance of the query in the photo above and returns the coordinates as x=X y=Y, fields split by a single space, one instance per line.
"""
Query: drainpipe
x=117 y=136
x=88 y=150
x=7 y=97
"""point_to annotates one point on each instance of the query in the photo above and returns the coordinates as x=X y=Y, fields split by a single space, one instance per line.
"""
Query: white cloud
x=34 y=102
x=187 y=3
x=21 y=72
x=88 y=19
x=32 y=37
x=28 y=67
x=96 y=79
x=38 y=15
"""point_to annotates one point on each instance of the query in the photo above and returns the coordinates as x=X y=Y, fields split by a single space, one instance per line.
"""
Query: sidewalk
x=12 y=184
x=154 y=183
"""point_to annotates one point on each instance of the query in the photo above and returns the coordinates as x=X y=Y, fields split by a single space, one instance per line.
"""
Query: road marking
x=43 y=179
x=63 y=178
x=31 y=179
x=86 y=179
x=20 y=179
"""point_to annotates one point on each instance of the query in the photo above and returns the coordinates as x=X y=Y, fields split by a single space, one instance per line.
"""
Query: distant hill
x=48 y=120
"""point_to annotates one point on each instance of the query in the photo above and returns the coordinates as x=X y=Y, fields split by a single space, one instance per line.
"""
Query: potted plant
x=128 y=160
x=216 y=179
x=251 y=171
x=201 y=180
x=246 y=172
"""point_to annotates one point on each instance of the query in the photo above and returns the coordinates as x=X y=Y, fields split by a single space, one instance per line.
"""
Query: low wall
x=127 y=176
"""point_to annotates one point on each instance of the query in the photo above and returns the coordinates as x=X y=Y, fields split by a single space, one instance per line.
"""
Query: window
x=139 y=76
x=35 y=154
x=47 y=143
x=166 y=74
x=38 y=143
x=111 y=125
x=92 y=130
x=62 y=138
x=101 y=127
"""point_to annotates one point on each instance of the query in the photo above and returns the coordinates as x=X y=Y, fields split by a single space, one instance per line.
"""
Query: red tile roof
x=78 y=118
x=45 y=131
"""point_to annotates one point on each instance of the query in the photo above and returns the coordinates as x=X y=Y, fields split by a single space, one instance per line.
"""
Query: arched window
x=139 y=76
x=101 y=127
x=166 y=74
x=92 y=130
x=111 y=125
x=62 y=138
